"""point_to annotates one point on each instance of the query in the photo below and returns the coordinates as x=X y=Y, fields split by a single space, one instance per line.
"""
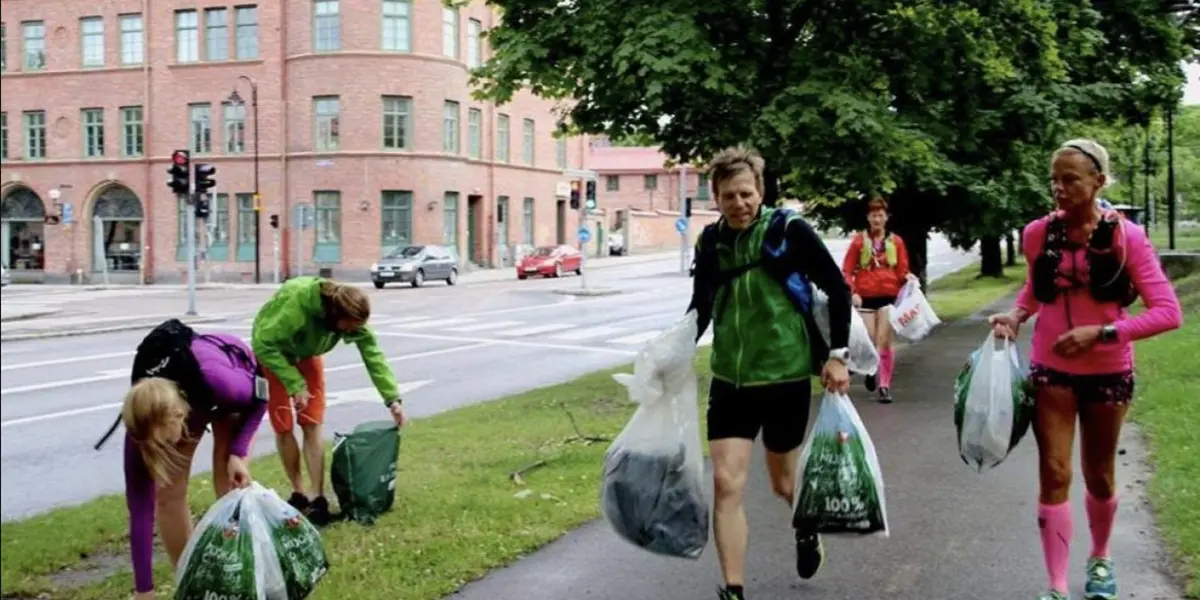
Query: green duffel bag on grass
x=364 y=470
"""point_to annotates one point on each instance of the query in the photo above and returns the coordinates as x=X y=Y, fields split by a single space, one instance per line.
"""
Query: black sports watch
x=1108 y=333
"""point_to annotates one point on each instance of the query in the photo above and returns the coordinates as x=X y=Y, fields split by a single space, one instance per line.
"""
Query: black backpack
x=1108 y=280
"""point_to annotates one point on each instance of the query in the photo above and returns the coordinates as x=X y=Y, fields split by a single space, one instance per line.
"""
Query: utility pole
x=589 y=178
x=1170 y=178
x=685 y=222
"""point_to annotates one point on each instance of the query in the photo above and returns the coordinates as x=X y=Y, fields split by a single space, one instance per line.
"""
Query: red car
x=551 y=261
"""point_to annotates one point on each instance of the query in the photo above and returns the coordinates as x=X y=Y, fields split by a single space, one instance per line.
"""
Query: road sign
x=68 y=213
x=681 y=225
x=584 y=235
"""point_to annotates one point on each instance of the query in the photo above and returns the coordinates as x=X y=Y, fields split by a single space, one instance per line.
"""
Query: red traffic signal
x=180 y=157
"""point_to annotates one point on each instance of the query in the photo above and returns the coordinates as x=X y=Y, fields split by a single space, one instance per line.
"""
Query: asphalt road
x=60 y=394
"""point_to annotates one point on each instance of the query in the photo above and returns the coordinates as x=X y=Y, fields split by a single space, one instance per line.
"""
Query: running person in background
x=1086 y=265
x=876 y=267
x=305 y=319
x=181 y=386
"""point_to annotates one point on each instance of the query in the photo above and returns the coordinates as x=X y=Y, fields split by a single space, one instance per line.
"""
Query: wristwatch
x=1108 y=333
x=840 y=354
x=392 y=402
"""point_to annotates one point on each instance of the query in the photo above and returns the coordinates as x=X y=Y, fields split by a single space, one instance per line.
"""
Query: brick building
x=640 y=178
x=363 y=112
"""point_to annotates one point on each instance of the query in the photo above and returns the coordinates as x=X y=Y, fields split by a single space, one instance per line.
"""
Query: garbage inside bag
x=230 y=554
x=652 y=492
x=363 y=470
x=993 y=404
x=297 y=543
x=864 y=358
x=839 y=486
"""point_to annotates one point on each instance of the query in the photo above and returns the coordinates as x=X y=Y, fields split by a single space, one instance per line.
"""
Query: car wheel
x=418 y=278
x=521 y=277
x=579 y=270
x=379 y=285
x=453 y=278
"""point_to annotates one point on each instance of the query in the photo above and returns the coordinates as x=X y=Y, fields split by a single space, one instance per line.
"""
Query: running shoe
x=810 y=555
x=727 y=594
x=298 y=501
x=885 y=395
x=1101 y=582
x=870 y=382
x=318 y=511
x=1054 y=595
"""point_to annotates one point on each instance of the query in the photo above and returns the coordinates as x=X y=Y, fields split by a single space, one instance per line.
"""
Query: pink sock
x=1055 y=523
x=886 y=364
x=1101 y=514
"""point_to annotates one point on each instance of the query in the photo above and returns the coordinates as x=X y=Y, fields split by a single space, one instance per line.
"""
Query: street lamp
x=236 y=99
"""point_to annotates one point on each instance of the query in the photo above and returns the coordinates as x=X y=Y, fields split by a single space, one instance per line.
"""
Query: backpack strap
x=777 y=261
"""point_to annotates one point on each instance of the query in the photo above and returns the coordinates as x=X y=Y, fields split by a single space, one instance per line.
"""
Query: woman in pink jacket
x=1086 y=266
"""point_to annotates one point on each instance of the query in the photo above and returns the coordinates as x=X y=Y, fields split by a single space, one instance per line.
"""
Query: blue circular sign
x=584 y=234
x=681 y=224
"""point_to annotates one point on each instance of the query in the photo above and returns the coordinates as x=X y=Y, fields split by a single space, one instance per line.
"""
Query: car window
x=544 y=251
x=406 y=252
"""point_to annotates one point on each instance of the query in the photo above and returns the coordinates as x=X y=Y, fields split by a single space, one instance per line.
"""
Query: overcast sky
x=1191 y=95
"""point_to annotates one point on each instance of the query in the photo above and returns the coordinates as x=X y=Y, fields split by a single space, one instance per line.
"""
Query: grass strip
x=1166 y=409
x=457 y=513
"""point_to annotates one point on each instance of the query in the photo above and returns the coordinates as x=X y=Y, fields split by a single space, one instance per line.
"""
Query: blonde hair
x=1092 y=150
x=346 y=301
x=153 y=406
x=732 y=161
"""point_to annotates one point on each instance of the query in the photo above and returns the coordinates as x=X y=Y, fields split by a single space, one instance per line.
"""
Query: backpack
x=774 y=259
x=1108 y=279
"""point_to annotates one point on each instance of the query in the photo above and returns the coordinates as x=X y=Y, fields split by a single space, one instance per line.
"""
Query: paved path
x=955 y=534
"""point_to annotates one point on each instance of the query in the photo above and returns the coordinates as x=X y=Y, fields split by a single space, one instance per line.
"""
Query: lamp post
x=235 y=98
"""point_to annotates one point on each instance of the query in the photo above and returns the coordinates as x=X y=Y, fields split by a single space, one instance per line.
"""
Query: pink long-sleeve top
x=231 y=381
x=1076 y=307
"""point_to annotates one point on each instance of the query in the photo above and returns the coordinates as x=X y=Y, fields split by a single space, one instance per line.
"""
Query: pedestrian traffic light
x=575 y=194
x=202 y=208
x=274 y=221
x=204 y=178
x=591 y=194
x=687 y=207
x=179 y=171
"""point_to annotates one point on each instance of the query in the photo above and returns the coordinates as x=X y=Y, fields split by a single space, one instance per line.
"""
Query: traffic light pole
x=685 y=234
x=191 y=249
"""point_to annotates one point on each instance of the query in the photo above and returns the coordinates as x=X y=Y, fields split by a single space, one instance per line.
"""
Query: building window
x=246 y=21
x=133 y=140
x=3 y=47
x=245 y=227
x=397 y=220
x=328 y=208
x=450 y=219
x=475 y=133
x=327 y=26
x=91 y=39
x=560 y=153
x=650 y=182
x=133 y=40
x=327 y=110
x=3 y=136
x=474 y=43
x=35 y=45
x=217 y=228
x=200 y=117
x=397 y=26
x=93 y=132
x=450 y=130
x=397 y=122
x=450 y=32
x=502 y=141
x=234 y=118
x=612 y=183
x=181 y=215
x=187 y=36
x=35 y=134
x=527 y=222
x=216 y=34
x=527 y=141
x=702 y=192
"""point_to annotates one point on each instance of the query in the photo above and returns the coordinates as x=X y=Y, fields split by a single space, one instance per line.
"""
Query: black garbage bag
x=656 y=503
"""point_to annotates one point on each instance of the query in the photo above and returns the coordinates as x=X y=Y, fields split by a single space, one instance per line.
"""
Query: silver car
x=415 y=265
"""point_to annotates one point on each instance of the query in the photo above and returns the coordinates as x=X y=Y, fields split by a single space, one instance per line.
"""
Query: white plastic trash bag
x=231 y=554
x=993 y=405
x=839 y=486
x=864 y=359
x=652 y=491
x=912 y=317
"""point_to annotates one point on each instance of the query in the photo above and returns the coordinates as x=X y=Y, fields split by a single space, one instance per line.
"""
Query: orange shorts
x=279 y=406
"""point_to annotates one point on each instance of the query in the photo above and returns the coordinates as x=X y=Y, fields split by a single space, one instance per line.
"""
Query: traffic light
x=575 y=194
x=179 y=171
x=274 y=221
x=204 y=178
x=202 y=209
x=591 y=194
x=687 y=207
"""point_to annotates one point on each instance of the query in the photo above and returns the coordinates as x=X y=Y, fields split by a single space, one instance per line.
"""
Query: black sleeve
x=702 y=294
x=812 y=259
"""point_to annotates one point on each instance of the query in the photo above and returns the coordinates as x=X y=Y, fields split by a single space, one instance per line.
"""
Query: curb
x=588 y=292
x=37 y=314
x=41 y=335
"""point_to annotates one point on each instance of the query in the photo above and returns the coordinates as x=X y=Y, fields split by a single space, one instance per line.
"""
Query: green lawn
x=1168 y=409
x=1185 y=239
x=457 y=512
x=961 y=293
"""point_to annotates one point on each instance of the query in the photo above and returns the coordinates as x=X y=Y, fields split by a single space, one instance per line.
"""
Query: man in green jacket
x=763 y=353
x=305 y=319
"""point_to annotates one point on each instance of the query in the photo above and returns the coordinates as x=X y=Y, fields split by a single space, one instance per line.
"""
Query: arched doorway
x=117 y=237
x=22 y=228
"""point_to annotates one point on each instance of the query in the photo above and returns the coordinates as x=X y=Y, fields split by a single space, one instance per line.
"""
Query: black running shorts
x=779 y=410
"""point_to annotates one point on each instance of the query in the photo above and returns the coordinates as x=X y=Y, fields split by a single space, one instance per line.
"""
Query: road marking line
x=637 y=338
x=429 y=323
x=587 y=333
x=374 y=322
x=370 y=394
x=534 y=330
x=485 y=326
x=516 y=343
x=64 y=361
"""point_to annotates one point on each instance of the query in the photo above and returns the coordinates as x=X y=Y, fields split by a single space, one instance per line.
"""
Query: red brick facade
x=357 y=58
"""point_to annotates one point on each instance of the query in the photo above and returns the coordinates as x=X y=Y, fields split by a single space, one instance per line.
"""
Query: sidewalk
x=955 y=534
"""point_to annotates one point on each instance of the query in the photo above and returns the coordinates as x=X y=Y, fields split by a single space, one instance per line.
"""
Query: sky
x=1191 y=94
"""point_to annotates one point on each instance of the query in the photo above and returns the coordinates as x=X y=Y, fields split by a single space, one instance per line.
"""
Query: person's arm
x=281 y=319
x=1163 y=312
x=850 y=262
x=139 y=499
x=1027 y=304
x=902 y=266
x=376 y=363
x=702 y=301
x=816 y=263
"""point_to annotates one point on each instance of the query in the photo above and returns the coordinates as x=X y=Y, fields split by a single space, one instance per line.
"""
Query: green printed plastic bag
x=297 y=544
x=229 y=556
x=993 y=404
x=364 y=470
x=839 y=487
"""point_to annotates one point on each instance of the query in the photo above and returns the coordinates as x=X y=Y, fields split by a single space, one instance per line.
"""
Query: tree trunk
x=991 y=263
x=770 y=187
x=1010 y=242
x=916 y=240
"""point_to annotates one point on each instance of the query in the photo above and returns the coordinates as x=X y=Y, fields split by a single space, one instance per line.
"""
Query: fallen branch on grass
x=517 y=476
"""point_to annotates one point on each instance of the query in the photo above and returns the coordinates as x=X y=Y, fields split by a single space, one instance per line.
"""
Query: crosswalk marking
x=636 y=339
x=587 y=333
x=485 y=326
x=534 y=330
x=426 y=324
